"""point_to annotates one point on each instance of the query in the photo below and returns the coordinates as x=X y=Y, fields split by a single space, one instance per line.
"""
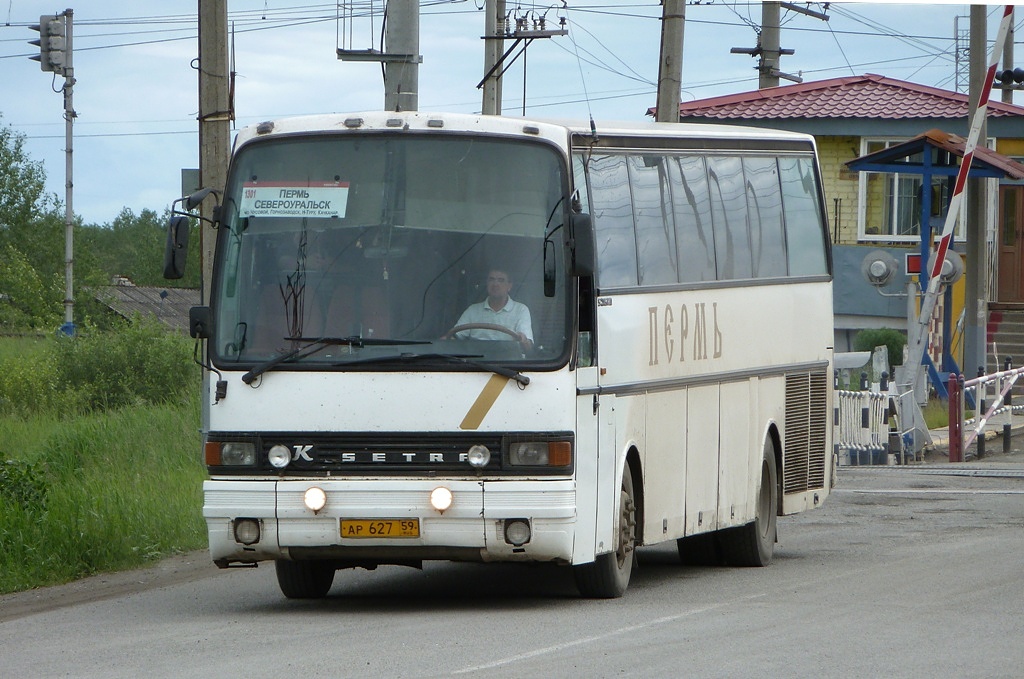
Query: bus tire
x=607 y=577
x=304 y=579
x=754 y=543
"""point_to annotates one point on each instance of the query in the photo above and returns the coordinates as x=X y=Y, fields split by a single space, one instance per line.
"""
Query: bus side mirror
x=580 y=241
x=176 y=250
x=199 y=319
x=549 y=268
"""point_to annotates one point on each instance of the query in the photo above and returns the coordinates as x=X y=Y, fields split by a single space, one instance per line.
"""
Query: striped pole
x=916 y=348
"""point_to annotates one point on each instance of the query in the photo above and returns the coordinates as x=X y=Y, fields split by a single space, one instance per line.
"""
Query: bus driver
x=497 y=310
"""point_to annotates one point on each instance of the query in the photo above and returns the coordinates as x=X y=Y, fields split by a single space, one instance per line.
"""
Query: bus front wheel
x=304 y=579
x=608 y=576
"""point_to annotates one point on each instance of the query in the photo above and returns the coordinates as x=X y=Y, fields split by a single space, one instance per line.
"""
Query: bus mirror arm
x=580 y=241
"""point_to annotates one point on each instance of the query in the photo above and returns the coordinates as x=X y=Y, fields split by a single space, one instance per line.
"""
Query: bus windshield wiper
x=315 y=344
x=466 y=359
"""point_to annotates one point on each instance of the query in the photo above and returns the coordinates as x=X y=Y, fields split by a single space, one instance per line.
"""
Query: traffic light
x=52 y=47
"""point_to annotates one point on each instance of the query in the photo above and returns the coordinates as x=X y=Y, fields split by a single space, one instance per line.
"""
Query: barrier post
x=1008 y=402
x=956 y=418
x=982 y=409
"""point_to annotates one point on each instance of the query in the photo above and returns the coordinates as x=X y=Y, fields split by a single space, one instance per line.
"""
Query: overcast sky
x=136 y=92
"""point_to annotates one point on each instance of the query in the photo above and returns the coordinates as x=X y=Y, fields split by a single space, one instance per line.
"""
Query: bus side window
x=805 y=230
x=613 y=221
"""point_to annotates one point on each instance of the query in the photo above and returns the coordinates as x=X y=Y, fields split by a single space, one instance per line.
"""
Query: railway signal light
x=52 y=45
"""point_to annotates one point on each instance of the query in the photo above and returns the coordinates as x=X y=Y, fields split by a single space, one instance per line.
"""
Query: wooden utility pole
x=670 y=64
x=214 y=120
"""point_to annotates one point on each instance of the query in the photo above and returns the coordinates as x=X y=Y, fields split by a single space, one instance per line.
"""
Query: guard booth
x=934 y=157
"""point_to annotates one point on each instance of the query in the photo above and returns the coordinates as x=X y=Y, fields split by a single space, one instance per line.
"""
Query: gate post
x=1008 y=402
x=982 y=407
x=956 y=418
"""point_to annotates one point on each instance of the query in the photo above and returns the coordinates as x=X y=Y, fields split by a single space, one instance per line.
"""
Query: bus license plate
x=380 y=528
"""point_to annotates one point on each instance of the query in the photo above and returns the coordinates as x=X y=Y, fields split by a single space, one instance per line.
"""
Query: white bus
x=672 y=380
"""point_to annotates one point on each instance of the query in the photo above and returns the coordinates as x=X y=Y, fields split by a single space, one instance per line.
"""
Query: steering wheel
x=480 y=326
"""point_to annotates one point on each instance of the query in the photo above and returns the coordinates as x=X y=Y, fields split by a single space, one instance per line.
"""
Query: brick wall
x=840 y=183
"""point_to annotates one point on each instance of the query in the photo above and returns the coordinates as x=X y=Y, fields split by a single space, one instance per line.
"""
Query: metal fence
x=993 y=395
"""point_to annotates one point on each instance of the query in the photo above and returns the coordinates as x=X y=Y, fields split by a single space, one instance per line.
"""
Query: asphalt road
x=906 y=572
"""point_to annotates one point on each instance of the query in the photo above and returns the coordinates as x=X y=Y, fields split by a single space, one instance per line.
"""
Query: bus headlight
x=540 y=454
x=479 y=456
x=279 y=456
x=230 y=453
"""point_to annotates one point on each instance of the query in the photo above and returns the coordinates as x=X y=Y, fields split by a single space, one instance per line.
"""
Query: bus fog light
x=279 y=456
x=440 y=498
x=517 y=532
x=479 y=456
x=315 y=499
x=247 y=531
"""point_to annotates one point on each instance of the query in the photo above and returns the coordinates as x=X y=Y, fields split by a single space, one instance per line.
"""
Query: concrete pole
x=402 y=39
x=69 y=191
x=1007 y=94
x=769 y=67
x=976 y=270
x=493 y=49
x=670 y=65
x=214 y=121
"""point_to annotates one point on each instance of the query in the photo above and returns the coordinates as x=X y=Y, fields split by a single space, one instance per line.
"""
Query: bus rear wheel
x=304 y=579
x=608 y=576
x=754 y=543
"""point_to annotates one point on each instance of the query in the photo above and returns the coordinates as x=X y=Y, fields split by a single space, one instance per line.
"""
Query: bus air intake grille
x=803 y=465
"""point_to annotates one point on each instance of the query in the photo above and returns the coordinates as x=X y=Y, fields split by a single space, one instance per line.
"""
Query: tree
x=22 y=181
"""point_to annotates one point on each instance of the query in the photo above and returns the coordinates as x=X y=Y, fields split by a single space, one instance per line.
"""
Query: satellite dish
x=878 y=268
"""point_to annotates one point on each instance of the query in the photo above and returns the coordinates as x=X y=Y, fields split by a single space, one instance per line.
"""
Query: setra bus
x=672 y=381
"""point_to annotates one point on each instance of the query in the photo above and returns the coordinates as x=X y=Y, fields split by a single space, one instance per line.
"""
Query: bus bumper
x=473 y=528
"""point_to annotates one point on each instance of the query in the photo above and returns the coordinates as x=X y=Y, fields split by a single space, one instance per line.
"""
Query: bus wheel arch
x=753 y=544
x=607 y=577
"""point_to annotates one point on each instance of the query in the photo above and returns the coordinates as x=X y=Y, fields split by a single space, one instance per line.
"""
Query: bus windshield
x=401 y=250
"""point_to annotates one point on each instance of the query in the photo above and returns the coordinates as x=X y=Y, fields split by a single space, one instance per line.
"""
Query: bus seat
x=358 y=311
x=272 y=321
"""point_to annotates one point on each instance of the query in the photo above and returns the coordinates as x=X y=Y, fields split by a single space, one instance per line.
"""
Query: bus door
x=595 y=466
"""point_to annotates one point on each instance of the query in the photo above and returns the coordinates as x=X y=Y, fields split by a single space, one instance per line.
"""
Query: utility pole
x=670 y=63
x=56 y=55
x=768 y=43
x=214 y=121
x=1007 y=96
x=976 y=270
x=402 y=56
x=768 y=71
x=494 y=46
x=401 y=71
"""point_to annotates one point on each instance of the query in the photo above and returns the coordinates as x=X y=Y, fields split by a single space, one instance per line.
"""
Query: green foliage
x=100 y=442
x=22 y=483
x=133 y=246
x=22 y=181
x=141 y=362
x=894 y=340
x=27 y=300
x=103 y=492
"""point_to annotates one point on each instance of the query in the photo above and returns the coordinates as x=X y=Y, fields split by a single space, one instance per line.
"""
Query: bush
x=139 y=363
x=894 y=340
